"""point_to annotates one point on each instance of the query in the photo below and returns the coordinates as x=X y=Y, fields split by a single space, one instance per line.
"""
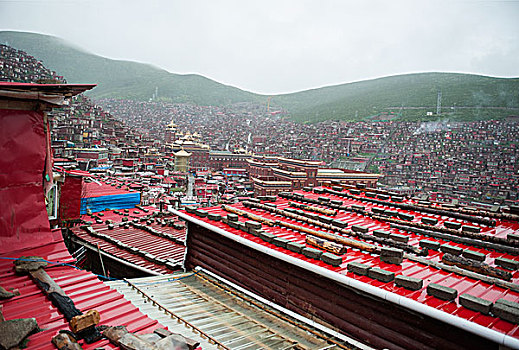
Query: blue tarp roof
x=102 y=167
x=116 y=201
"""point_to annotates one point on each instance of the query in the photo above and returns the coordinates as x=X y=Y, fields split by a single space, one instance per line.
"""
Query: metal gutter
x=487 y=333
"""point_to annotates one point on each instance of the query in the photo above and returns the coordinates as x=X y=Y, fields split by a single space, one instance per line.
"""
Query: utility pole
x=439 y=103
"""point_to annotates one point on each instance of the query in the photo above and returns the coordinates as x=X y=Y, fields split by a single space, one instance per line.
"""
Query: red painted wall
x=23 y=217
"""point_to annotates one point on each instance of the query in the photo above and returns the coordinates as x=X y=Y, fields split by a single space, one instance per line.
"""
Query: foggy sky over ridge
x=283 y=46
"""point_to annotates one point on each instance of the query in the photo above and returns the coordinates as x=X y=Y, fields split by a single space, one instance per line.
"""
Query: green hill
x=464 y=96
x=410 y=96
x=122 y=79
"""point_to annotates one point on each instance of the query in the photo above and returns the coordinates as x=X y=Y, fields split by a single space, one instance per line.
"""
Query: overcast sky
x=282 y=46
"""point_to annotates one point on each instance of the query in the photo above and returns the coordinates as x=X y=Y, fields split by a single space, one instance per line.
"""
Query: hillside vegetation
x=408 y=97
x=123 y=79
x=405 y=94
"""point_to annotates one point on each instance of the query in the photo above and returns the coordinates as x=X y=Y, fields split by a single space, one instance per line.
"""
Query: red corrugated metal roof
x=106 y=185
x=78 y=173
x=98 y=189
x=84 y=288
x=160 y=247
x=408 y=268
x=118 y=215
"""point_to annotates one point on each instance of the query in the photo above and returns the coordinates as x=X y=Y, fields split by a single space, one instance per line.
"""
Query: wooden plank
x=329 y=246
x=476 y=266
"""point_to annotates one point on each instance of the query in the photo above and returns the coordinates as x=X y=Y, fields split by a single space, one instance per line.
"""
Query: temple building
x=271 y=175
x=202 y=157
x=219 y=160
x=182 y=160
x=170 y=134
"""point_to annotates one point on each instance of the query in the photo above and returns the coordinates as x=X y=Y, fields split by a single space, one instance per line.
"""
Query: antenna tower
x=439 y=103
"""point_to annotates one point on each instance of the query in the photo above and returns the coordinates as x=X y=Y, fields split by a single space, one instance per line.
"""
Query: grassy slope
x=131 y=80
x=123 y=79
x=412 y=90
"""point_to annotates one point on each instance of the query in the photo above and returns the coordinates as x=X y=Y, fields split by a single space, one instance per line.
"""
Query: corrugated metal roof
x=84 y=288
x=118 y=215
x=97 y=189
x=219 y=311
x=148 y=308
x=408 y=268
x=171 y=250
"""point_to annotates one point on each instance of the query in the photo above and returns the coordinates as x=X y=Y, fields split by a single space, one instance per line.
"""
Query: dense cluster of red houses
x=468 y=161
x=436 y=157
x=18 y=66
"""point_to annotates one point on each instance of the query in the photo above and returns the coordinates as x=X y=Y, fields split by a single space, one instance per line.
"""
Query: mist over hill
x=122 y=79
x=409 y=96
